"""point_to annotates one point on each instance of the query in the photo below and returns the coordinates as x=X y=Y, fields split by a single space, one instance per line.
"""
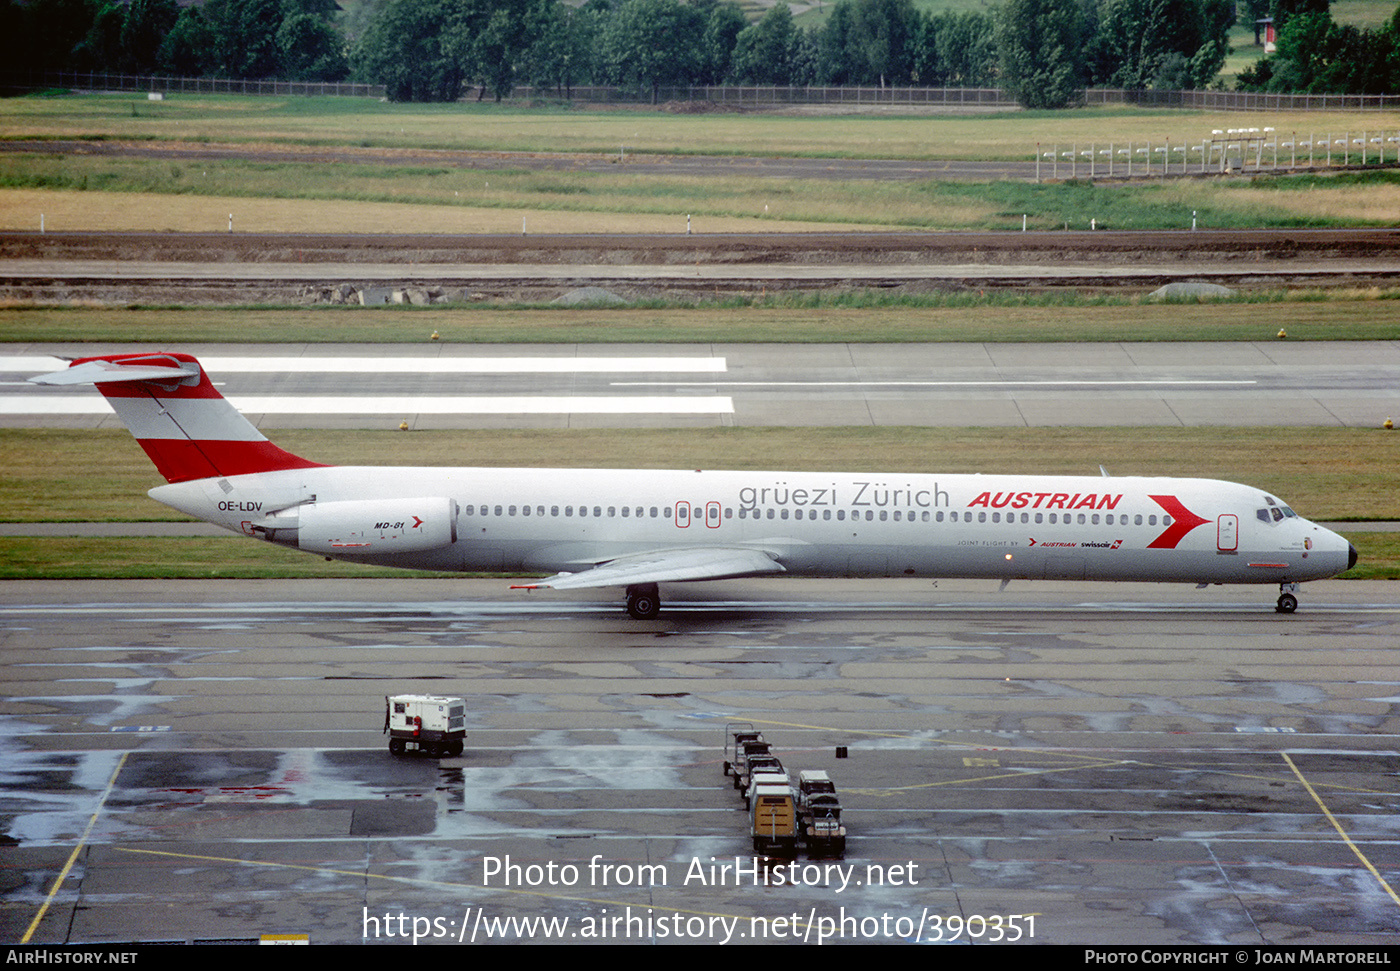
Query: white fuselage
x=810 y=523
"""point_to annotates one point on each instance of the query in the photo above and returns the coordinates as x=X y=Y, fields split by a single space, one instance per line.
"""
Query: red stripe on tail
x=189 y=430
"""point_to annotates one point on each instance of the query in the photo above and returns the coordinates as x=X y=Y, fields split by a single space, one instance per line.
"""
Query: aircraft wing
x=656 y=566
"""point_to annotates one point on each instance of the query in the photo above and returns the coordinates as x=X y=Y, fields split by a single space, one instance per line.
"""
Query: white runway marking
x=41 y=364
x=402 y=405
x=1146 y=382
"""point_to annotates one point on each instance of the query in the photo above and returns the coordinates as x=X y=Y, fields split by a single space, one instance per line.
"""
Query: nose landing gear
x=1287 y=598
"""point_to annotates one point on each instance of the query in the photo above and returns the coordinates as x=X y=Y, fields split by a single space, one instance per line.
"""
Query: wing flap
x=658 y=566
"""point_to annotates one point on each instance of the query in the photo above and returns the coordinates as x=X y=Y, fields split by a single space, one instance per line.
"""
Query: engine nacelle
x=378 y=526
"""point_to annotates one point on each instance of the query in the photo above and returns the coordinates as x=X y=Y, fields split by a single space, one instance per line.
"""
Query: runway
x=1338 y=384
x=1065 y=763
x=1061 y=763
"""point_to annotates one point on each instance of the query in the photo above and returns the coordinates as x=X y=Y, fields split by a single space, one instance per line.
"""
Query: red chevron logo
x=1183 y=521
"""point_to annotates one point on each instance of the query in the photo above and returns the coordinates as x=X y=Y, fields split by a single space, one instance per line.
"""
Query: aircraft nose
x=1351 y=556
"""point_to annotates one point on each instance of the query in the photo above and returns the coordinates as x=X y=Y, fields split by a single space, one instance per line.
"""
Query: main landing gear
x=1287 y=598
x=643 y=601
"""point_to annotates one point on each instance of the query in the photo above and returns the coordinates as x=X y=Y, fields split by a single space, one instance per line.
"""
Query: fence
x=754 y=96
x=1254 y=150
x=1243 y=100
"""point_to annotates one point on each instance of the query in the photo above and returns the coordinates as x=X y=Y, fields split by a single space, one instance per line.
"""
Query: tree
x=869 y=42
x=648 y=43
x=724 y=22
x=766 y=52
x=1040 y=43
x=187 y=49
x=956 y=50
x=312 y=49
x=1317 y=56
x=502 y=32
x=1161 y=43
x=245 y=37
x=144 y=29
x=415 y=49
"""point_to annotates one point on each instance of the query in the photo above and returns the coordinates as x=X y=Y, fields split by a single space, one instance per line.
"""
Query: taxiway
x=1109 y=764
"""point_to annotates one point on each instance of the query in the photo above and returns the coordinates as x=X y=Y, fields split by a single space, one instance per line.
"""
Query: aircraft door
x=712 y=515
x=682 y=515
x=1227 y=533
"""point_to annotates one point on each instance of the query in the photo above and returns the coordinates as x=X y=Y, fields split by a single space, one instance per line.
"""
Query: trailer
x=773 y=820
x=736 y=736
x=433 y=725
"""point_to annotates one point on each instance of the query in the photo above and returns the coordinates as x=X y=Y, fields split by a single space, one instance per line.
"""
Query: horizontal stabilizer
x=189 y=430
x=658 y=566
x=108 y=372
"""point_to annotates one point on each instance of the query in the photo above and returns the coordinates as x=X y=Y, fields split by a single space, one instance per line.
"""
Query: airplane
x=638 y=528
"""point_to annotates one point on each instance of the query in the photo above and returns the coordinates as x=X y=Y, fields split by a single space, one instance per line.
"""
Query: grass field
x=269 y=193
x=1012 y=134
x=861 y=317
x=324 y=199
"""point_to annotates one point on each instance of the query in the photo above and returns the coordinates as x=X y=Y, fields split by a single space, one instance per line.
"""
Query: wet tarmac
x=1066 y=763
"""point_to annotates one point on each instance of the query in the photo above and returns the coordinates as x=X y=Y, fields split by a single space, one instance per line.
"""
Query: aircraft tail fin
x=189 y=430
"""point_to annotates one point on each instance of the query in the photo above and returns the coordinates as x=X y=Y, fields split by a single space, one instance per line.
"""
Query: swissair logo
x=1183 y=521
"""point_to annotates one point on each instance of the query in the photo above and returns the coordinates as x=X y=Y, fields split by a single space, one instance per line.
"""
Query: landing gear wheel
x=643 y=601
x=1287 y=603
